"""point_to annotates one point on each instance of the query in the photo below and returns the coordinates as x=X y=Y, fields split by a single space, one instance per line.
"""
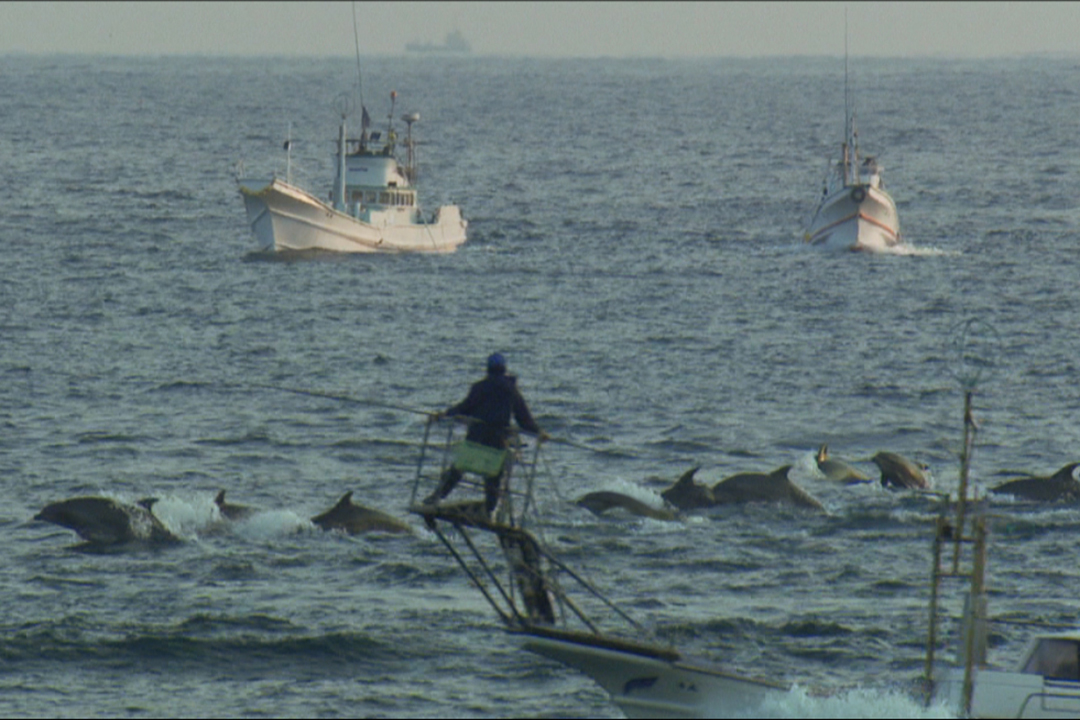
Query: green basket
x=481 y=459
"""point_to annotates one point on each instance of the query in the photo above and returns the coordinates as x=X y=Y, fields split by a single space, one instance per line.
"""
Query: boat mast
x=851 y=166
x=360 y=84
x=339 y=181
x=288 y=155
x=848 y=120
x=410 y=146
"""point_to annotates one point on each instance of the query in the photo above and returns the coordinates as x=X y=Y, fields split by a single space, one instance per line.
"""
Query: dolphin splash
x=603 y=500
x=231 y=511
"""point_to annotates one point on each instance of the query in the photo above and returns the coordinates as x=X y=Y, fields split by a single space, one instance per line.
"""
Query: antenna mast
x=360 y=84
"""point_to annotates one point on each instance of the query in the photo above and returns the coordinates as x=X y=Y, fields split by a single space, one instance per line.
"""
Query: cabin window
x=384 y=198
x=1058 y=659
x=370 y=197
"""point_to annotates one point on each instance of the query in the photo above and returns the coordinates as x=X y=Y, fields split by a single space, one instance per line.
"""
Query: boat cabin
x=377 y=188
x=1056 y=657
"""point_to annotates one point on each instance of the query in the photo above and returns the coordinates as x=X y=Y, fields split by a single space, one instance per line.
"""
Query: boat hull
x=998 y=693
x=646 y=683
x=860 y=218
x=286 y=218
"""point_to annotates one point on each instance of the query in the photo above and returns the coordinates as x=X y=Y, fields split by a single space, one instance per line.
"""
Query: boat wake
x=859 y=702
x=906 y=249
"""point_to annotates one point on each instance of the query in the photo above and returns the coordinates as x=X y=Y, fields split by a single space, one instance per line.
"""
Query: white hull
x=1002 y=694
x=647 y=684
x=844 y=222
x=286 y=218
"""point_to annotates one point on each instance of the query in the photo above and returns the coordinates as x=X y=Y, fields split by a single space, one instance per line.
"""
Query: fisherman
x=489 y=406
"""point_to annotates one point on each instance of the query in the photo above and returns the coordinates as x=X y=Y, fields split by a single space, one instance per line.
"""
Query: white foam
x=637 y=492
x=271 y=524
x=859 y=702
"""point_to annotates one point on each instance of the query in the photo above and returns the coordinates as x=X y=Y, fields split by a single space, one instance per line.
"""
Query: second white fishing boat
x=854 y=212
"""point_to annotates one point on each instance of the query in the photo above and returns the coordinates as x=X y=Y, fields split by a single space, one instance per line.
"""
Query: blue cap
x=496 y=363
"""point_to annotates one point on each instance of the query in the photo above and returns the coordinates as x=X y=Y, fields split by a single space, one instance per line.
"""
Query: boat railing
x=504 y=553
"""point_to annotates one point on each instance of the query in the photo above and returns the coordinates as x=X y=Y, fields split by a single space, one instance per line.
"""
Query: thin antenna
x=848 y=149
x=359 y=77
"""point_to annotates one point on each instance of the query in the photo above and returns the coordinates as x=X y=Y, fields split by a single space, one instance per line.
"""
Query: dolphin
x=230 y=511
x=838 y=470
x=686 y=494
x=899 y=472
x=355 y=519
x=763 y=487
x=105 y=521
x=604 y=500
x=1062 y=486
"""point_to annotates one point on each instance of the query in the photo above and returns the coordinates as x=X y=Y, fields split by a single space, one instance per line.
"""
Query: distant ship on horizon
x=455 y=43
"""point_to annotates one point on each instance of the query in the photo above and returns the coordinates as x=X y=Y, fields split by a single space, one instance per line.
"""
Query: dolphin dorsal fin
x=1065 y=474
x=220 y=499
x=781 y=472
x=688 y=476
x=147 y=503
x=345 y=501
x=823 y=452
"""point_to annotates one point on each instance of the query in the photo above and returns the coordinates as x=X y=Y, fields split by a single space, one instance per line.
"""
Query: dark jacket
x=492 y=401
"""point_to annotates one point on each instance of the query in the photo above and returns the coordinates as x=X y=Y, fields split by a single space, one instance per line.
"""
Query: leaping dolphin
x=604 y=500
x=838 y=470
x=355 y=519
x=899 y=472
x=1062 y=486
x=763 y=487
x=230 y=511
x=105 y=521
x=686 y=494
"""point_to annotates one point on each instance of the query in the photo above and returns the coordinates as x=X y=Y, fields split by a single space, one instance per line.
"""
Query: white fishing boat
x=854 y=212
x=1045 y=683
x=542 y=602
x=373 y=206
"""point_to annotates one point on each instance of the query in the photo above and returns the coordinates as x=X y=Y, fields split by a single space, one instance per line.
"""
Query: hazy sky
x=545 y=29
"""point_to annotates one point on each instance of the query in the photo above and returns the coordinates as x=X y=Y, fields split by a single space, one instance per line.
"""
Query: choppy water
x=634 y=252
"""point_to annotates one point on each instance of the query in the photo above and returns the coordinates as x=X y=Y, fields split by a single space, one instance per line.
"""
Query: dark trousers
x=452 y=477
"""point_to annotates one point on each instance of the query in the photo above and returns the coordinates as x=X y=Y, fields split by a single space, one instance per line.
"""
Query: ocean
x=635 y=252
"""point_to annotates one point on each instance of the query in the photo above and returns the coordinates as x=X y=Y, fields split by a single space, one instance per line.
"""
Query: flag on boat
x=287 y=145
x=365 y=119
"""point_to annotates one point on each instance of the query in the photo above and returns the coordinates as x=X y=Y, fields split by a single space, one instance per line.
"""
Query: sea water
x=634 y=251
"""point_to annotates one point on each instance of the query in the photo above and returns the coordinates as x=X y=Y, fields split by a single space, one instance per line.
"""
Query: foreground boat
x=373 y=208
x=1045 y=683
x=542 y=603
x=854 y=212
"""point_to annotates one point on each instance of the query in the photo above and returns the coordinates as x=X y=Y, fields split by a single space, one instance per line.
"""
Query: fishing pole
x=404 y=408
x=344 y=398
